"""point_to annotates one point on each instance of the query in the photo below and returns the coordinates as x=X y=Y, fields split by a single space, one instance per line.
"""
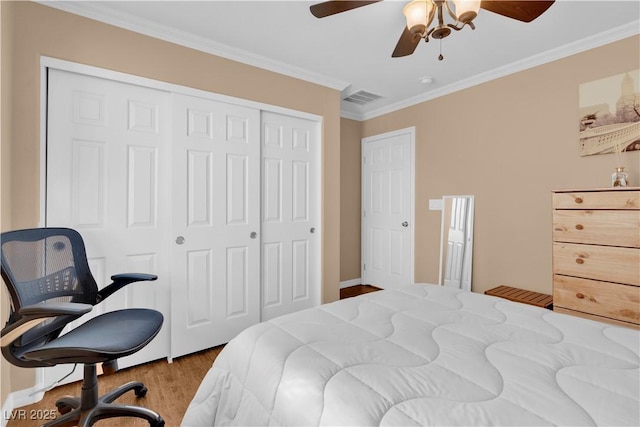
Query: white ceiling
x=351 y=51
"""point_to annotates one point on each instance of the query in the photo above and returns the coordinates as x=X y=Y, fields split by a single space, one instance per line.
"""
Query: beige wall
x=350 y=178
x=30 y=30
x=5 y=373
x=509 y=142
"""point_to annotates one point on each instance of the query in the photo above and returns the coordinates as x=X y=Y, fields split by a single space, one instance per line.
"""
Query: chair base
x=84 y=411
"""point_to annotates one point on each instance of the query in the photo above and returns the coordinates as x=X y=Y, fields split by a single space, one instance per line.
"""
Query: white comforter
x=424 y=355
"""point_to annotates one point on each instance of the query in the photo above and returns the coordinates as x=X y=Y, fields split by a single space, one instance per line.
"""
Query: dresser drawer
x=613 y=199
x=611 y=264
x=620 y=302
x=604 y=227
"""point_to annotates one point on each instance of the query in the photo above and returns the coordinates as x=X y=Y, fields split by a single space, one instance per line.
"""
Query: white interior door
x=290 y=214
x=387 y=209
x=216 y=222
x=107 y=145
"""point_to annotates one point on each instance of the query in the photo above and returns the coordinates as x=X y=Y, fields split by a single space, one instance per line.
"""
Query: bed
x=424 y=355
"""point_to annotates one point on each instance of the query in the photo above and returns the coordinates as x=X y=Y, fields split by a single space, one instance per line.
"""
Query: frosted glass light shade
x=466 y=10
x=419 y=14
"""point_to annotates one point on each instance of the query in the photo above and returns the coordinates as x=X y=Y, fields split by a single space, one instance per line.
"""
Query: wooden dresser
x=596 y=254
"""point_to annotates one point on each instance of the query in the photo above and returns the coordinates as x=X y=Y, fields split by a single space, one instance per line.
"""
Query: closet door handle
x=180 y=240
x=312 y=230
x=405 y=224
x=253 y=235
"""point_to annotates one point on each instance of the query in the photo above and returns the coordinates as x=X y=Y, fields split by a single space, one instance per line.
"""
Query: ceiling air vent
x=362 y=97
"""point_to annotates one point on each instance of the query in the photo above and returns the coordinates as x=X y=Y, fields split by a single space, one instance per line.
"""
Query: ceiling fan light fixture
x=419 y=14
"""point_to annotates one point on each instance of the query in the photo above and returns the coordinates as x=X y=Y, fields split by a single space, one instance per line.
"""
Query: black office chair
x=50 y=285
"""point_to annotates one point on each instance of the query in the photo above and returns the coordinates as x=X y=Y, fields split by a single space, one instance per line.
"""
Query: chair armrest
x=122 y=280
x=53 y=309
x=34 y=315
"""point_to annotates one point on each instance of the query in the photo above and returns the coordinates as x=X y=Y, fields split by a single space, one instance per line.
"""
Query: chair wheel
x=141 y=392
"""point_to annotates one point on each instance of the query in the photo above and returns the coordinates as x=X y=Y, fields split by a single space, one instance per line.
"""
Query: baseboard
x=18 y=399
x=352 y=282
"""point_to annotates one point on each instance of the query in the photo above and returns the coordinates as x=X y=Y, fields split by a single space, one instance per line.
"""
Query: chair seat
x=106 y=337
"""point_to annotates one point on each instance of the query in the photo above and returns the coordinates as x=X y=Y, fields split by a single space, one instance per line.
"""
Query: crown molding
x=351 y=115
x=560 y=52
x=97 y=12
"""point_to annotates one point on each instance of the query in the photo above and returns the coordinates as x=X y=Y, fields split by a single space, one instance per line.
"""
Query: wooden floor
x=171 y=386
x=353 y=291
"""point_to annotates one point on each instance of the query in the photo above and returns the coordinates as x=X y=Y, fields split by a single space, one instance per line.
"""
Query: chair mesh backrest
x=46 y=264
x=38 y=265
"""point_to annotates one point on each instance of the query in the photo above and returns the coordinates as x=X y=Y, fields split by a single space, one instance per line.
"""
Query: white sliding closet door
x=221 y=201
x=108 y=153
x=216 y=222
x=290 y=214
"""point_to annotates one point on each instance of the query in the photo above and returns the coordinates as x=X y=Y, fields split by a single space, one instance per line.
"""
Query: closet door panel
x=237 y=189
x=87 y=195
x=108 y=148
x=290 y=218
x=237 y=286
x=216 y=222
x=198 y=287
x=200 y=191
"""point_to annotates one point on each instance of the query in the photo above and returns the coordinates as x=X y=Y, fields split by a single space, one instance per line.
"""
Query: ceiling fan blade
x=523 y=10
x=407 y=44
x=328 y=8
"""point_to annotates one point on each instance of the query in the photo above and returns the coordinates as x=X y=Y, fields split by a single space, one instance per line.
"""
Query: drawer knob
x=579 y=261
x=579 y=295
x=578 y=199
x=579 y=227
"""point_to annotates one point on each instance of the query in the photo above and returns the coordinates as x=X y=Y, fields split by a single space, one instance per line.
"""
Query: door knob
x=180 y=240
x=313 y=230
x=253 y=235
x=405 y=224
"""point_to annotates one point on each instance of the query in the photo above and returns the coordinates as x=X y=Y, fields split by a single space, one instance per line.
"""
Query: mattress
x=424 y=355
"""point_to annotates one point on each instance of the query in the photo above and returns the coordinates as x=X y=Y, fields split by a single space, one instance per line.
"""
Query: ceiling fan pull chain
x=440 y=57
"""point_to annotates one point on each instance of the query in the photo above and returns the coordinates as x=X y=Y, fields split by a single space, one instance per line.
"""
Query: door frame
x=411 y=131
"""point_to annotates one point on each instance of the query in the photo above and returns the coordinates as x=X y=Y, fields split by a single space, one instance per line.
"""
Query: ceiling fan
x=421 y=13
